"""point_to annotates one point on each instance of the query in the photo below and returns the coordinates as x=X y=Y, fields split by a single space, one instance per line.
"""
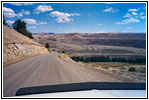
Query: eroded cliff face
x=17 y=46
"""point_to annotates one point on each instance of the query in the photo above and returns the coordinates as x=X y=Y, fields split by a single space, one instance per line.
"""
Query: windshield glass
x=53 y=43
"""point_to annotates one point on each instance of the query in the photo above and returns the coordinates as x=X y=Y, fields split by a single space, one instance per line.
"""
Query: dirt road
x=49 y=69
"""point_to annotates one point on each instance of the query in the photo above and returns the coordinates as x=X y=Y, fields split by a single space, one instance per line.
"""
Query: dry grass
x=121 y=69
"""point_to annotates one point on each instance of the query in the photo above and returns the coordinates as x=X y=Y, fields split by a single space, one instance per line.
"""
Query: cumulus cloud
x=110 y=10
x=75 y=14
x=132 y=9
x=100 y=24
x=143 y=17
x=134 y=13
x=141 y=13
x=30 y=21
x=43 y=8
x=127 y=21
x=32 y=27
x=25 y=12
x=20 y=4
x=127 y=15
x=19 y=14
x=62 y=17
x=10 y=21
x=33 y=21
x=8 y=12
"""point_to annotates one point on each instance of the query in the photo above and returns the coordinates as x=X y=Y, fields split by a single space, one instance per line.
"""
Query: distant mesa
x=44 y=33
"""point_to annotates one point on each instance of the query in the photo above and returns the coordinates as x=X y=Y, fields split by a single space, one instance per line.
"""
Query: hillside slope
x=16 y=46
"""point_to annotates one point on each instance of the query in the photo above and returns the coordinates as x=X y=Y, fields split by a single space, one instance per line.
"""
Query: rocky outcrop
x=17 y=46
x=65 y=57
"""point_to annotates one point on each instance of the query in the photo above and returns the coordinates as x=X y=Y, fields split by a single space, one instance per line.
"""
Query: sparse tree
x=20 y=26
x=63 y=51
x=47 y=45
x=4 y=21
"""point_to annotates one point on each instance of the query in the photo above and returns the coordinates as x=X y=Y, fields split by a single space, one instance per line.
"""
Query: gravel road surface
x=49 y=69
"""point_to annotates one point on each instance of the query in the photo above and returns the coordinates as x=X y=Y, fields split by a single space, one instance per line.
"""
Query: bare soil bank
x=17 y=46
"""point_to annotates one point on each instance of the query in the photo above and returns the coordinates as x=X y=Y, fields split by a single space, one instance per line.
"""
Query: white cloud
x=20 y=4
x=19 y=14
x=33 y=21
x=10 y=21
x=100 y=24
x=132 y=9
x=8 y=12
x=25 y=12
x=143 y=17
x=32 y=27
x=63 y=17
x=89 y=14
x=134 y=13
x=133 y=16
x=127 y=21
x=43 y=8
x=75 y=14
x=141 y=13
x=110 y=10
x=127 y=15
x=30 y=21
x=42 y=23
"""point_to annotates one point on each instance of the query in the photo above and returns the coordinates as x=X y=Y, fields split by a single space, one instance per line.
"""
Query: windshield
x=59 y=43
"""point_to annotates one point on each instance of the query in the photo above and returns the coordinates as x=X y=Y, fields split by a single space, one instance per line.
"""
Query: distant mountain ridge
x=89 y=33
x=95 y=44
x=44 y=33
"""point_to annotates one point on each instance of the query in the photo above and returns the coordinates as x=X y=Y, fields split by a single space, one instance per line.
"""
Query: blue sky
x=78 y=17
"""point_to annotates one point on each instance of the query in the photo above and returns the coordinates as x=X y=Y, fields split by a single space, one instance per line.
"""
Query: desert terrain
x=57 y=67
x=114 y=46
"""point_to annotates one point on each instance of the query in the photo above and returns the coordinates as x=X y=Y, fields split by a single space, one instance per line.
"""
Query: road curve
x=48 y=69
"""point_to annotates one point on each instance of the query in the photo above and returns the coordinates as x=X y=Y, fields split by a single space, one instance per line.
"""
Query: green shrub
x=63 y=51
x=132 y=69
x=47 y=46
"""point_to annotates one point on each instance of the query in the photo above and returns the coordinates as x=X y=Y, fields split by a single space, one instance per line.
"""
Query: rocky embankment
x=65 y=57
x=17 y=46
